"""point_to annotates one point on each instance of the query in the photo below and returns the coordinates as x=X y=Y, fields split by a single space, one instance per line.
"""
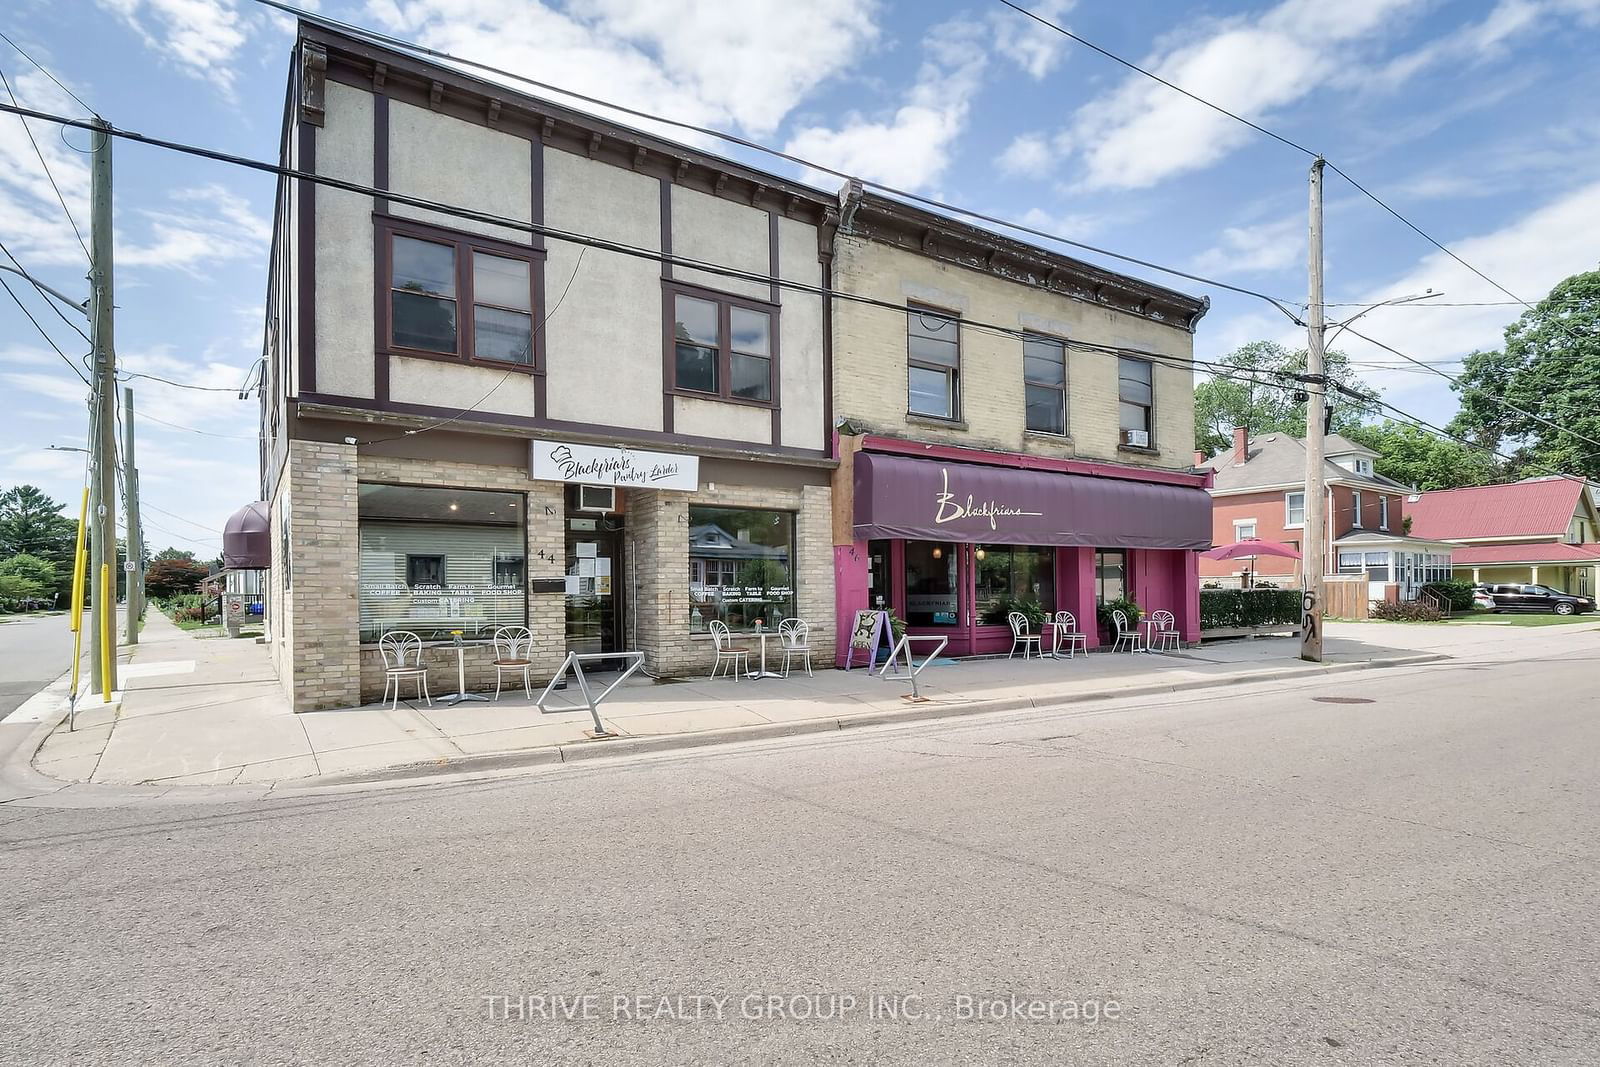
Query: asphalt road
x=34 y=650
x=1252 y=876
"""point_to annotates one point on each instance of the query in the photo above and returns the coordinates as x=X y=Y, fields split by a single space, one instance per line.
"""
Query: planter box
x=1290 y=629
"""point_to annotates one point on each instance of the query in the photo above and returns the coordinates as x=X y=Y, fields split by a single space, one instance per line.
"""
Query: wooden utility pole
x=134 y=568
x=104 y=442
x=1316 y=390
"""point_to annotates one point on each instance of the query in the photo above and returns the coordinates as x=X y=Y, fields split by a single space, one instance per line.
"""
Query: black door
x=594 y=585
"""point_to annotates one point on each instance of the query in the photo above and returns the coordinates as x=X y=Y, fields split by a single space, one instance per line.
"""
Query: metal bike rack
x=575 y=661
x=913 y=669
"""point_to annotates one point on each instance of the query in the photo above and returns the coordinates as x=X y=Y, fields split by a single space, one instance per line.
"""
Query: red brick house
x=1259 y=491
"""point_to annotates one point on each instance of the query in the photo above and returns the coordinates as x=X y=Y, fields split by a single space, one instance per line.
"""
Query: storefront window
x=930 y=583
x=741 y=568
x=437 y=560
x=1110 y=576
x=1014 y=578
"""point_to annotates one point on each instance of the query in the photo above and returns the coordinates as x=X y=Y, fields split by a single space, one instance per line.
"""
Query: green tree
x=1550 y=368
x=171 y=576
x=174 y=553
x=1418 y=458
x=1262 y=400
x=15 y=590
x=31 y=523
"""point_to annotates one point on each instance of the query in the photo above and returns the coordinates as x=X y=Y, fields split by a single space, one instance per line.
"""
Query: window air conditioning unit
x=1136 y=438
x=601 y=498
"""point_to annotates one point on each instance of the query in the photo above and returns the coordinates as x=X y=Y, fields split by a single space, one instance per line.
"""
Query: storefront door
x=594 y=580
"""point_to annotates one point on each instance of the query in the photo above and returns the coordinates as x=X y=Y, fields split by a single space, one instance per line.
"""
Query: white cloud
x=32 y=222
x=910 y=146
x=1036 y=49
x=746 y=64
x=1267 y=246
x=211 y=224
x=1528 y=256
x=201 y=38
x=1030 y=155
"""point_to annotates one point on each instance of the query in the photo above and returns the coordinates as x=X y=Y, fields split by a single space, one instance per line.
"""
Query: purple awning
x=247 y=538
x=926 y=499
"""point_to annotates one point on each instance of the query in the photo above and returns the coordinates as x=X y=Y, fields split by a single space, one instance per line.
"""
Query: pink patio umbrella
x=1251 y=546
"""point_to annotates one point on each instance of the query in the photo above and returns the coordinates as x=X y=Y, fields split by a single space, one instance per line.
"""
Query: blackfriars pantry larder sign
x=558 y=461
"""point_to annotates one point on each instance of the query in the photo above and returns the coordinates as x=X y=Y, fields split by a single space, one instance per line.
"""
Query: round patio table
x=452 y=699
x=762 y=635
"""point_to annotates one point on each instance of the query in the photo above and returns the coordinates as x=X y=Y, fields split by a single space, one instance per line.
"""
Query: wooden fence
x=1345 y=596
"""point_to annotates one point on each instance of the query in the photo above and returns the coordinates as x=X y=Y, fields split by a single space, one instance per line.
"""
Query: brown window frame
x=954 y=373
x=387 y=227
x=670 y=291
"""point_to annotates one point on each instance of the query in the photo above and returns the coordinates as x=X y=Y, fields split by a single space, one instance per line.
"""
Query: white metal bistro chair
x=1163 y=632
x=737 y=657
x=794 y=636
x=1067 y=632
x=402 y=659
x=1126 y=635
x=511 y=656
x=1021 y=638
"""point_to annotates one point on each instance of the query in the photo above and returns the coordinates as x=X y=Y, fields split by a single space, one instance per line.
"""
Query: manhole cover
x=1343 y=700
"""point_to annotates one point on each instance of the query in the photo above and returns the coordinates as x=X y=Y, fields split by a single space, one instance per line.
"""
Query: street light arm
x=82 y=309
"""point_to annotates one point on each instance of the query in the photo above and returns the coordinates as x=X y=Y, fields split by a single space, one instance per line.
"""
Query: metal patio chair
x=737 y=657
x=1021 y=637
x=512 y=646
x=1163 y=632
x=1067 y=631
x=1126 y=635
x=794 y=637
x=402 y=659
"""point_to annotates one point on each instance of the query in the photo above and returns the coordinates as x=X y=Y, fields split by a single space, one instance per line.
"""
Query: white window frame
x=1355 y=503
x=1238 y=532
x=1288 y=510
x=1383 y=513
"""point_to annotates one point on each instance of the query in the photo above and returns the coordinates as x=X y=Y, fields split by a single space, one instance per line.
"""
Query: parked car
x=1530 y=598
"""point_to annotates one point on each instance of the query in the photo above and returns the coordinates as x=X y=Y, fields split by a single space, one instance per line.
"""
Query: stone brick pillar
x=323 y=655
x=658 y=550
x=547 y=612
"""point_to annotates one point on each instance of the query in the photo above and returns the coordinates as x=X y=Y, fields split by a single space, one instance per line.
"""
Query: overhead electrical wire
x=1362 y=189
x=126 y=375
x=51 y=178
x=46 y=72
x=1282 y=304
x=49 y=300
x=48 y=339
x=180 y=518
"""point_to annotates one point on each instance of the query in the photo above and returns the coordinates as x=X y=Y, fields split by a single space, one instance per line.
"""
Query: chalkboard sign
x=871 y=630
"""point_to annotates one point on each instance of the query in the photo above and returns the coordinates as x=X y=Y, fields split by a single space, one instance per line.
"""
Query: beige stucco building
x=528 y=368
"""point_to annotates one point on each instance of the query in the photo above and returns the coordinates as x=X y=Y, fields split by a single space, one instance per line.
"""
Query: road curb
x=577 y=752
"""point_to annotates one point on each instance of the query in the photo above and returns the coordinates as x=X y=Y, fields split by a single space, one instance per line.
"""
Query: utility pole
x=1316 y=389
x=104 y=443
x=130 y=485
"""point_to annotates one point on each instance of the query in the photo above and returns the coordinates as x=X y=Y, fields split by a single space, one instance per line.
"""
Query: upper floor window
x=933 y=356
x=1294 y=508
x=1135 y=402
x=1044 y=378
x=1355 y=508
x=1383 y=513
x=722 y=346
x=459 y=295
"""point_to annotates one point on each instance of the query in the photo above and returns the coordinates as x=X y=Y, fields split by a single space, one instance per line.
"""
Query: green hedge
x=1458 y=593
x=1226 y=609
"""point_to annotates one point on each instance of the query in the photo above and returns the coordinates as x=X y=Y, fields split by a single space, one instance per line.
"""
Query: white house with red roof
x=1539 y=531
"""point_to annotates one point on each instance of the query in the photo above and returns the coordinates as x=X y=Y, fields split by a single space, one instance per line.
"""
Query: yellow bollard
x=79 y=563
x=105 y=631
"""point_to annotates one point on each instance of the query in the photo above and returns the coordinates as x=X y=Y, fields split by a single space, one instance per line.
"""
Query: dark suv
x=1531 y=598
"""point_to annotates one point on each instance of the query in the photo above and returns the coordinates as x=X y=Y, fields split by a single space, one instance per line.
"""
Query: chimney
x=1241 y=444
x=1200 y=458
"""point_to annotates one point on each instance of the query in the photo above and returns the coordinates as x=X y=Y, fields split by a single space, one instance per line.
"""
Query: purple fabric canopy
x=926 y=499
x=247 y=538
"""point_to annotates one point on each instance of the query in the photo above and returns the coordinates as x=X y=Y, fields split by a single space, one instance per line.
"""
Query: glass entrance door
x=594 y=576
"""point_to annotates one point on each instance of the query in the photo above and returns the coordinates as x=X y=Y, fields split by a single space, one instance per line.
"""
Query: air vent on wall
x=597 y=498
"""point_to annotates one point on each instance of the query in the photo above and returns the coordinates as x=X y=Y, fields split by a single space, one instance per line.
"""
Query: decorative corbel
x=549 y=130
x=435 y=94
x=720 y=184
x=313 y=83
x=494 y=112
x=594 y=144
x=380 y=74
x=639 y=155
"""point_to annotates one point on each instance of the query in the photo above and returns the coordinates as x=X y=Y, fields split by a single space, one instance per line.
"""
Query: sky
x=1473 y=119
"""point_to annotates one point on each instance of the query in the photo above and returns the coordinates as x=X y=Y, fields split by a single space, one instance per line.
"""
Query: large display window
x=1014 y=578
x=741 y=567
x=438 y=560
x=932 y=584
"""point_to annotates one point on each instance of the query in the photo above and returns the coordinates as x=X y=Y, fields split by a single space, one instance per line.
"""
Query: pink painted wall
x=1168 y=580
x=849 y=592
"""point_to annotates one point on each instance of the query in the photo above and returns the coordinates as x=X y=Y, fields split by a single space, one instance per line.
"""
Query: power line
x=46 y=72
x=125 y=375
x=1463 y=387
x=203 y=433
x=48 y=339
x=755 y=146
x=51 y=178
x=180 y=518
x=49 y=299
x=1369 y=194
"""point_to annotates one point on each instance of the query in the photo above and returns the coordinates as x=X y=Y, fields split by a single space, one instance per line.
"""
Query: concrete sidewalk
x=209 y=711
